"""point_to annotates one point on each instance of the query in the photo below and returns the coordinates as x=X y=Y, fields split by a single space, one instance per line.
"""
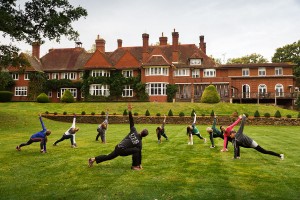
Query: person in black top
x=239 y=139
x=160 y=131
x=130 y=145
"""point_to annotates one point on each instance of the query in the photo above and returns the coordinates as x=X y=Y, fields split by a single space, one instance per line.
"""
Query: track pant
x=101 y=134
x=64 y=137
x=30 y=141
x=135 y=152
x=257 y=148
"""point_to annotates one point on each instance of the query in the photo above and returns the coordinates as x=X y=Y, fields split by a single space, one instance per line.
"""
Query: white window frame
x=278 y=71
x=262 y=71
x=247 y=93
x=100 y=73
x=262 y=89
x=209 y=73
x=72 y=75
x=196 y=73
x=72 y=90
x=245 y=72
x=127 y=91
x=99 y=90
x=55 y=76
x=156 y=89
x=182 y=72
x=279 y=90
x=127 y=73
x=50 y=94
x=15 y=76
x=21 y=91
x=26 y=76
x=157 y=71
x=195 y=61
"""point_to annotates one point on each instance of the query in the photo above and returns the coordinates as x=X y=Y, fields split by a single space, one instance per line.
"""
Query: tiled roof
x=35 y=64
x=156 y=60
x=127 y=61
x=255 y=65
x=98 y=60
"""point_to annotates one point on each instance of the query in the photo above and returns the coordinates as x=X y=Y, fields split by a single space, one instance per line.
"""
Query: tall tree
x=35 y=21
x=252 y=58
x=289 y=53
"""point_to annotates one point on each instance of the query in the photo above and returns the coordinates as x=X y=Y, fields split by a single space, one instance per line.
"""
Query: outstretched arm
x=164 y=122
x=229 y=128
x=130 y=116
x=195 y=116
x=74 y=121
x=241 y=129
x=42 y=123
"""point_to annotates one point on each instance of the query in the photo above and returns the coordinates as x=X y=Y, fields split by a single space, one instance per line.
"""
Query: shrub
x=181 y=114
x=83 y=113
x=235 y=114
x=125 y=112
x=298 y=115
x=92 y=113
x=55 y=113
x=46 y=112
x=135 y=114
x=67 y=97
x=210 y=95
x=203 y=114
x=277 y=114
x=192 y=113
x=114 y=113
x=64 y=113
x=170 y=113
x=43 y=98
x=157 y=114
x=267 y=115
x=147 y=113
x=103 y=113
x=256 y=114
x=212 y=114
x=289 y=116
x=5 y=96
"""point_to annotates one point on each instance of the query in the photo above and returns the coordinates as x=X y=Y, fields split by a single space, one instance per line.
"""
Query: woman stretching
x=214 y=132
x=102 y=129
x=226 y=133
x=160 y=131
x=193 y=130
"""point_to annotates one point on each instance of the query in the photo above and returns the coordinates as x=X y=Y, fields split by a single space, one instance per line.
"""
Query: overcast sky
x=232 y=28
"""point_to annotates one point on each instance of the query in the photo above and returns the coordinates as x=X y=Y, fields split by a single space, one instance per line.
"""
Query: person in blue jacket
x=40 y=136
x=130 y=145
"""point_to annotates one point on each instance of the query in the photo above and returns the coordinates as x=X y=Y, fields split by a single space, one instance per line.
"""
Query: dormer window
x=195 y=61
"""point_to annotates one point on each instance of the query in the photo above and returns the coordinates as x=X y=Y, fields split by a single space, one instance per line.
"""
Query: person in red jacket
x=226 y=133
x=40 y=136
x=130 y=145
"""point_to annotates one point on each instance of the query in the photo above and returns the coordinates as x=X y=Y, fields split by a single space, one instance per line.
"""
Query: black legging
x=135 y=152
x=262 y=150
x=71 y=137
x=30 y=141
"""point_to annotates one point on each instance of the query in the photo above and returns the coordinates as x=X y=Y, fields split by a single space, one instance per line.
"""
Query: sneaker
x=136 y=168
x=90 y=162
x=212 y=147
x=18 y=148
x=73 y=146
x=223 y=150
x=281 y=156
x=204 y=140
x=54 y=144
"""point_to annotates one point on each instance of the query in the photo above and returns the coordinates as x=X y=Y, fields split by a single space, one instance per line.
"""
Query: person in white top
x=69 y=134
x=101 y=129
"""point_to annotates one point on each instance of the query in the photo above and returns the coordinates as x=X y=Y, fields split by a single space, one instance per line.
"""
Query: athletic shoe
x=18 y=148
x=136 y=168
x=224 y=150
x=73 y=146
x=204 y=140
x=90 y=162
x=212 y=147
x=281 y=156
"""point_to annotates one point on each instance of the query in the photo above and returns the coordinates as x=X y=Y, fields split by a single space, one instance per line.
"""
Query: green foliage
x=6 y=81
x=117 y=82
x=252 y=58
x=5 y=96
x=64 y=113
x=43 y=98
x=55 y=113
x=83 y=113
x=135 y=114
x=92 y=113
x=171 y=92
x=203 y=114
x=55 y=84
x=140 y=90
x=170 y=113
x=267 y=115
x=47 y=112
x=298 y=115
x=246 y=114
x=147 y=113
x=181 y=114
x=125 y=113
x=298 y=102
x=212 y=114
x=158 y=114
x=256 y=114
x=288 y=116
x=103 y=113
x=37 y=83
x=193 y=113
x=277 y=114
x=210 y=95
x=67 y=97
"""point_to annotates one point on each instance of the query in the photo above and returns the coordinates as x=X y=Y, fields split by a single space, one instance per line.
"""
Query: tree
x=289 y=53
x=210 y=95
x=6 y=81
x=33 y=22
x=171 y=92
x=252 y=58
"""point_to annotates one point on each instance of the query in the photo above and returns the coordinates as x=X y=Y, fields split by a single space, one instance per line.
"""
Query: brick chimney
x=175 y=37
x=202 y=44
x=145 y=46
x=100 y=44
x=36 y=49
x=163 y=40
x=119 y=43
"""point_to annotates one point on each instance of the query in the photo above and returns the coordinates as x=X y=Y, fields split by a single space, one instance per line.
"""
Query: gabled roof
x=63 y=59
x=136 y=52
x=157 y=60
x=35 y=64
x=98 y=60
x=127 y=61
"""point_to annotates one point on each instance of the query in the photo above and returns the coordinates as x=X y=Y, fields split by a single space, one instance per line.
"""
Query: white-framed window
x=50 y=94
x=55 y=76
x=127 y=73
x=278 y=71
x=26 y=76
x=68 y=75
x=245 y=91
x=100 y=72
x=72 y=90
x=127 y=91
x=21 y=91
x=209 y=73
x=182 y=72
x=99 y=90
x=279 y=90
x=80 y=75
x=15 y=76
x=72 y=75
x=262 y=89
x=196 y=73
x=245 y=72
x=164 y=71
x=195 y=61
x=261 y=71
x=156 y=89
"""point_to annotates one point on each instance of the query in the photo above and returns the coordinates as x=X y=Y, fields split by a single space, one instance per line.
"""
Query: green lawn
x=172 y=170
